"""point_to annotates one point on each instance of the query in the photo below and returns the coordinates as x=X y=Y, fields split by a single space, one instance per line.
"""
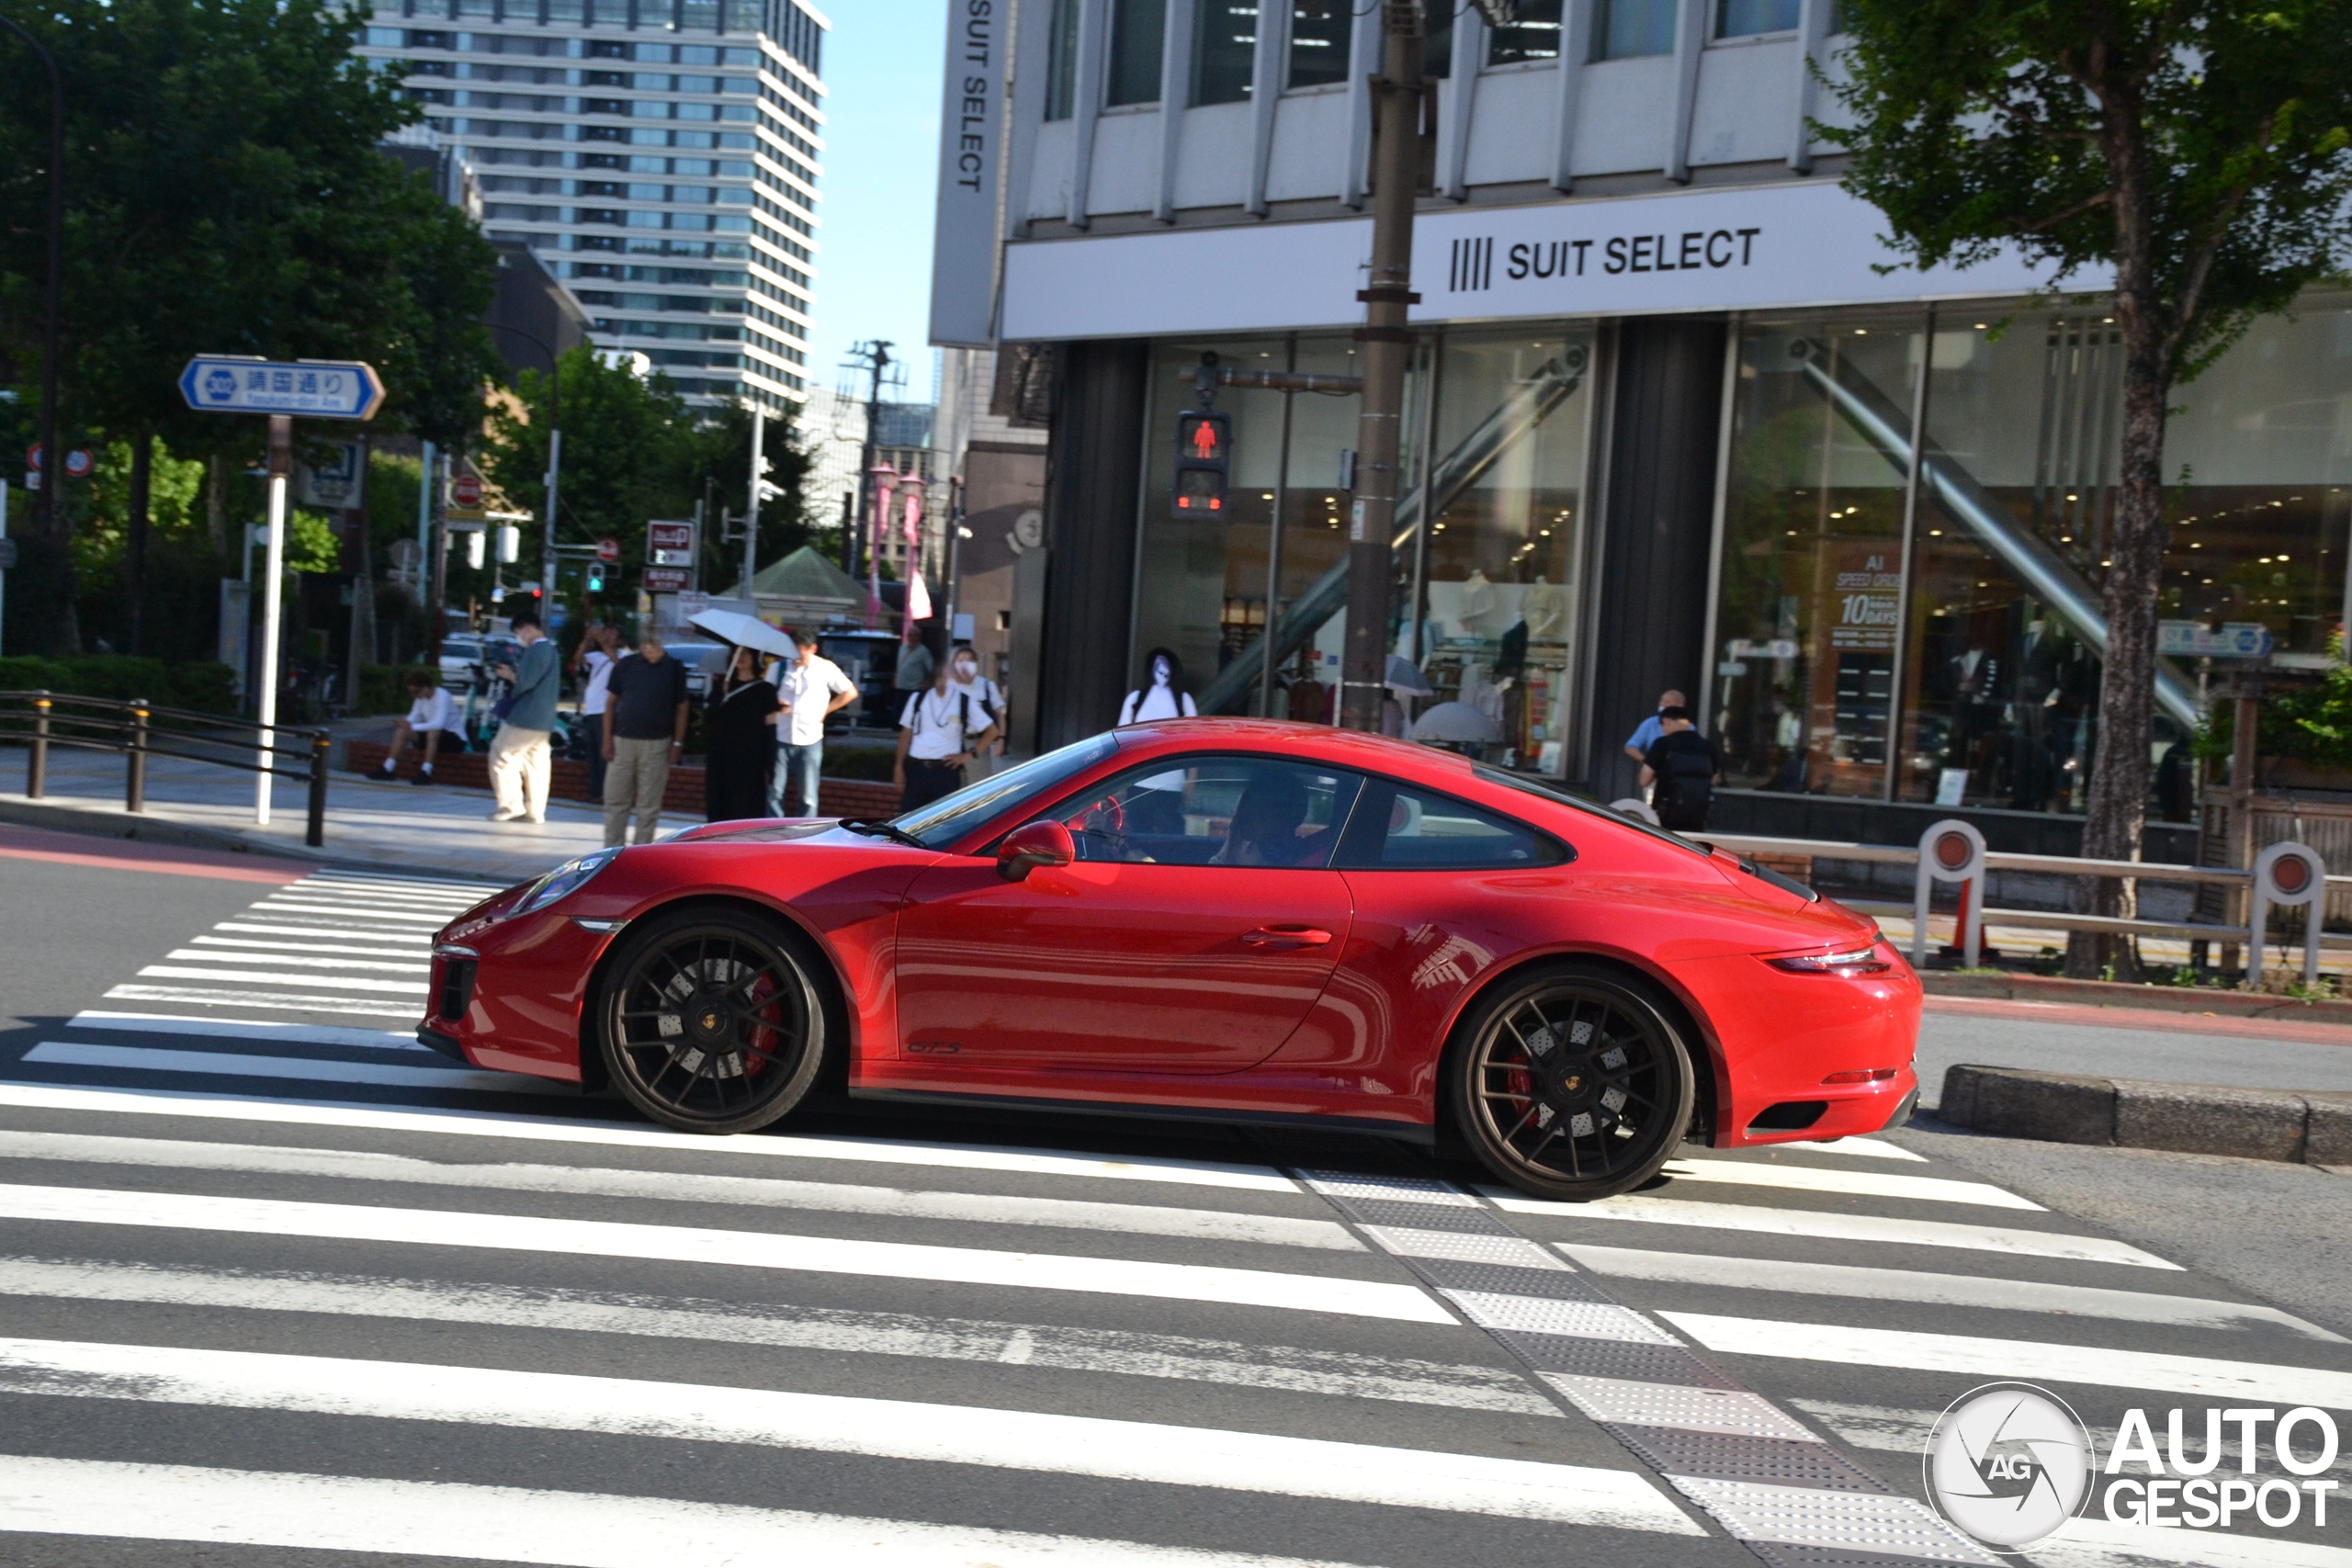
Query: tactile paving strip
x=1795 y=1501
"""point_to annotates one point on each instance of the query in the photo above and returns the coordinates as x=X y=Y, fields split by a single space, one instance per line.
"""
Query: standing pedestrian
x=645 y=730
x=1164 y=697
x=988 y=702
x=597 y=652
x=813 y=690
x=935 y=741
x=1682 y=764
x=519 y=756
x=1646 y=734
x=742 y=729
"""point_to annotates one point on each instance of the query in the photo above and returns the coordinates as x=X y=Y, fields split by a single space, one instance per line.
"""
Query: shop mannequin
x=1545 y=605
x=1478 y=600
x=1162 y=695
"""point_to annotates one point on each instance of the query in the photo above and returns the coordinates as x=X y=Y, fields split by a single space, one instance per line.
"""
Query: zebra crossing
x=271 y=1279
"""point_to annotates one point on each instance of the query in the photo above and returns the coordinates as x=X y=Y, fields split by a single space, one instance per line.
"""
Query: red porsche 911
x=1223 y=919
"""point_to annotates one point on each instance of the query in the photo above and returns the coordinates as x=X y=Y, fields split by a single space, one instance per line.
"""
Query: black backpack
x=1685 y=790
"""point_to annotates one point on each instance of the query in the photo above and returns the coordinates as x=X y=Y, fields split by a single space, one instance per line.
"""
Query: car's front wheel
x=1569 y=1081
x=710 y=1020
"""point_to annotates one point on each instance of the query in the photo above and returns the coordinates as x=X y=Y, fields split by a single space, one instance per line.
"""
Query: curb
x=2114 y=994
x=2306 y=1128
x=145 y=830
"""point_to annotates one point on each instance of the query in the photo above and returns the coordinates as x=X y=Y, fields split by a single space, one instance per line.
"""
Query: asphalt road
x=277 y=1287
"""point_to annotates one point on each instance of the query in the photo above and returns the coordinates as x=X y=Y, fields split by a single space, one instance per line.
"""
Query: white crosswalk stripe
x=239 y=1185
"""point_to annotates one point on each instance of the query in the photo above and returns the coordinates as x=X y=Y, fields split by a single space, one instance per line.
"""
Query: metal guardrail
x=140 y=730
x=2284 y=876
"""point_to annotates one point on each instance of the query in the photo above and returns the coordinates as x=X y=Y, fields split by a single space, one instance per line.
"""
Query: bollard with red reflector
x=1952 y=851
x=2287 y=876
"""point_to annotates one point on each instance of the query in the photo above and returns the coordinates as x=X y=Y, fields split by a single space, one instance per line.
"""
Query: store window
x=1809 y=603
x=1624 y=29
x=1319 y=41
x=1746 y=18
x=1502 y=574
x=1137 y=33
x=1061 y=60
x=1532 y=33
x=1225 y=43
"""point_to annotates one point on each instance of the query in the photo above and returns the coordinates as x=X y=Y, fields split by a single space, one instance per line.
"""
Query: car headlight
x=564 y=880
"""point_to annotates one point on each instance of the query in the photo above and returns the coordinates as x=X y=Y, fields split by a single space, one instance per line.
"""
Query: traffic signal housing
x=595 y=577
x=1203 y=463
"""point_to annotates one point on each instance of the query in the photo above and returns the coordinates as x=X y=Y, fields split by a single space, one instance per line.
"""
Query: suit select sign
x=1751 y=247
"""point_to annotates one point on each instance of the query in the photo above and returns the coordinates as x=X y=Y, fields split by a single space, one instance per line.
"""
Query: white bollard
x=1950 y=850
x=2288 y=875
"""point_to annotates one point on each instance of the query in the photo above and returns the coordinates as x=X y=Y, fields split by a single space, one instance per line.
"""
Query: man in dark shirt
x=645 y=729
x=1682 y=764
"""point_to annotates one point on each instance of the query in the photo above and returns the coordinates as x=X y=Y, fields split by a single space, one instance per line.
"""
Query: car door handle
x=1292 y=936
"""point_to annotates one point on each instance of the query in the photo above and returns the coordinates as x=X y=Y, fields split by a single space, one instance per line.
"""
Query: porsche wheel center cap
x=1571 y=1082
x=706 y=1019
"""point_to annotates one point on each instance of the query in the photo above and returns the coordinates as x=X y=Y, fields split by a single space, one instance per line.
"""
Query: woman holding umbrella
x=742 y=716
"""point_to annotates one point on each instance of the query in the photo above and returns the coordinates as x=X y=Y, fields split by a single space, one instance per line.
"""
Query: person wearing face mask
x=1164 y=697
x=987 y=706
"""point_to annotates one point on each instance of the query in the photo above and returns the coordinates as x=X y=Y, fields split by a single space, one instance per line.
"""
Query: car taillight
x=1858 y=961
x=1862 y=1075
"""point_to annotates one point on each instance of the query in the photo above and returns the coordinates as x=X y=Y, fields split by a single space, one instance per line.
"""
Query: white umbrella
x=1456 y=723
x=743 y=631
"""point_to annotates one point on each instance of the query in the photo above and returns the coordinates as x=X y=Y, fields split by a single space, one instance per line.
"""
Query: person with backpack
x=1681 y=763
x=937 y=737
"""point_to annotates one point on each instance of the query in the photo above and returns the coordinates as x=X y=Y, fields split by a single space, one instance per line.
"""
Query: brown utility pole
x=1387 y=342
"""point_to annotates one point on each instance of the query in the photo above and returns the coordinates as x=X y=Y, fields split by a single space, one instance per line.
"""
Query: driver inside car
x=1268 y=822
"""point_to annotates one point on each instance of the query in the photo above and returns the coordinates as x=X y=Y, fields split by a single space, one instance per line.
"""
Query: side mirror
x=1031 y=845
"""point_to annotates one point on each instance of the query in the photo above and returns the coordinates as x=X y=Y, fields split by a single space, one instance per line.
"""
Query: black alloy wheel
x=1569 y=1082
x=711 y=1023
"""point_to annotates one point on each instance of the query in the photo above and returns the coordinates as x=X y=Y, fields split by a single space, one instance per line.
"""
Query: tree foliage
x=2197 y=152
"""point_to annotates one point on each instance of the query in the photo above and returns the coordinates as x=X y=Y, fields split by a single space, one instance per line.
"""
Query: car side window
x=1214 y=810
x=1396 y=827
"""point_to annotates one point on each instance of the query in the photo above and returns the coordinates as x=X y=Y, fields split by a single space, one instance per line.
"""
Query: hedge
x=205 y=687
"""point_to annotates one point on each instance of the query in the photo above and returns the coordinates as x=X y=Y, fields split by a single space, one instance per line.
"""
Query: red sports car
x=1233 y=920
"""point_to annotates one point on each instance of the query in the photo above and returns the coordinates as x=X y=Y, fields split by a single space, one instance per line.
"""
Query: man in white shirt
x=938 y=733
x=987 y=706
x=813 y=690
x=432 y=720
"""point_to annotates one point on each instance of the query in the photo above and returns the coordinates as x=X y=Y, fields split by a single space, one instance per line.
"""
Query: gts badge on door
x=933 y=1047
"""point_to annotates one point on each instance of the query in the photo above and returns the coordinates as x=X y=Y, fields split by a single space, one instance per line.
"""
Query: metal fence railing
x=140 y=730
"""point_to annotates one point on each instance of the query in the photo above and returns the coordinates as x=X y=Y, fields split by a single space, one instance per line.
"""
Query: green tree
x=2200 y=149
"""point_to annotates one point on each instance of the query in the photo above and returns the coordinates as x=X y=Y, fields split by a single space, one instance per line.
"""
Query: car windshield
x=948 y=819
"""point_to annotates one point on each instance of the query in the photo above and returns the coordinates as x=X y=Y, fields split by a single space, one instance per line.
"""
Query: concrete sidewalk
x=438 y=830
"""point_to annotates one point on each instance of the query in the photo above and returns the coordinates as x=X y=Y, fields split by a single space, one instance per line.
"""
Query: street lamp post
x=52 y=465
x=555 y=460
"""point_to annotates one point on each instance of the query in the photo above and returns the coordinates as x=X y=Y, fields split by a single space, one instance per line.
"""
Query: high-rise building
x=660 y=159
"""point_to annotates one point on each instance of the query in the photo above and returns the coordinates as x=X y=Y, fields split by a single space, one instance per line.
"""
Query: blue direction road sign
x=315 y=389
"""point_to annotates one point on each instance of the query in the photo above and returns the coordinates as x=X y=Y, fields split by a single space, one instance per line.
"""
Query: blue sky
x=882 y=75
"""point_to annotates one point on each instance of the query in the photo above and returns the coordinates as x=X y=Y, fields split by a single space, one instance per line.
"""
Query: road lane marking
x=1847 y=1183
x=2089 y=1542
x=268 y=1001
x=421 y=939
x=1940 y=1289
x=619 y=1134
x=351 y=911
x=682 y=1187
x=1463 y=1247
x=273 y=977
x=1733 y=1412
x=726 y=1248
x=2209 y=1376
x=576 y=1530
x=1641 y=1209
x=1866 y=1148
x=1106 y=1448
x=303 y=1069
x=306 y=955
x=1282 y=1367
x=245 y=1029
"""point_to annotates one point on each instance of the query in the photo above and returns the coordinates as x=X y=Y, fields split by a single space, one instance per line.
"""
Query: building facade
x=661 y=159
x=1676 y=418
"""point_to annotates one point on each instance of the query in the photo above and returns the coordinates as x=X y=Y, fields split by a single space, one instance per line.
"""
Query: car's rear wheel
x=1571 y=1082
x=711 y=1021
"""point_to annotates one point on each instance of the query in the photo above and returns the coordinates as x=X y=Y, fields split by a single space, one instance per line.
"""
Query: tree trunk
x=216 y=504
x=143 y=478
x=2119 y=792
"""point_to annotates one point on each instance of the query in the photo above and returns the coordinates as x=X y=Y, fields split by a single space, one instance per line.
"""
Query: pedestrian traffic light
x=595 y=577
x=1203 y=454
